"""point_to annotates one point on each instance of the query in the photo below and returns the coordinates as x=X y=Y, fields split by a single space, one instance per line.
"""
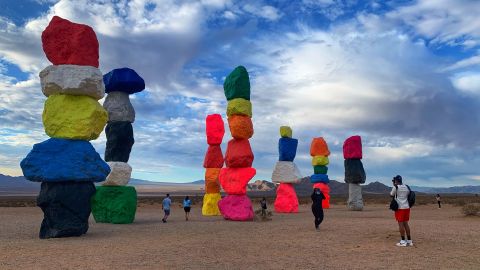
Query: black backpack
x=411 y=197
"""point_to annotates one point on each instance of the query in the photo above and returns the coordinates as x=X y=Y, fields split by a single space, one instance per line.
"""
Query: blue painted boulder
x=123 y=80
x=287 y=149
x=319 y=178
x=60 y=160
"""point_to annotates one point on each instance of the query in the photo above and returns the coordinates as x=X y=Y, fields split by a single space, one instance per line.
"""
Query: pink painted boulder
x=352 y=148
x=286 y=201
x=234 y=180
x=236 y=207
x=215 y=129
x=65 y=42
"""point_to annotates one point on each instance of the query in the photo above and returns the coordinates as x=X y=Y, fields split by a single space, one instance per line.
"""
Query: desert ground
x=443 y=238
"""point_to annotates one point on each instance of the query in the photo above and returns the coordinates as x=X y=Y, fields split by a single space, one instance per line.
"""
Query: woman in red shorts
x=402 y=215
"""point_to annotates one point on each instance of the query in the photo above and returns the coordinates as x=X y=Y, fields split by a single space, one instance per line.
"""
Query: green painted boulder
x=114 y=204
x=319 y=169
x=237 y=84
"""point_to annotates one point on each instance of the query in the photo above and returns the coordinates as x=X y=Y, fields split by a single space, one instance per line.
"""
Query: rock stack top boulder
x=237 y=84
x=352 y=147
x=215 y=129
x=65 y=42
x=285 y=132
x=123 y=80
x=319 y=147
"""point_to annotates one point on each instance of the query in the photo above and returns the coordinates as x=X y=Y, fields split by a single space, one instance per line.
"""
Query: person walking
x=317 y=210
x=166 y=203
x=263 y=204
x=187 y=204
x=439 y=201
x=400 y=192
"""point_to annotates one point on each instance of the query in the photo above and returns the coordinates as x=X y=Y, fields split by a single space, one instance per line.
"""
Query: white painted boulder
x=355 y=199
x=119 y=175
x=119 y=107
x=286 y=172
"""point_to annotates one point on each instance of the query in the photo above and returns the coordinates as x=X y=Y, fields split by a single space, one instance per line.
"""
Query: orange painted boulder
x=241 y=126
x=239 y=154
x=236 y=207
x=213 y=157
x=286 y=201
x=319 y=147
x=211 y=180
x=352 y=148
x=234 y=180
x=215 y=129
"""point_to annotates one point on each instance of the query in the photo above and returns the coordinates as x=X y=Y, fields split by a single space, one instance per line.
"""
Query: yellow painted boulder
x=239 y=106
x=285 y=132
x=320 y=160
x=73 y=117
x=210 y=204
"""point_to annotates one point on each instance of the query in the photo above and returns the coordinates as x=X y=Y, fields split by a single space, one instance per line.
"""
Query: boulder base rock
x=116 y=205
x=320 y=161
x=352 y=148
x=215 y=129
x=354 y=172
x=239 y=106
x=65 y=42
x=241 y=126
x=73 y=117
x=213 y=157
x=237 y=84
x=119 y=141
x=123 y=80
x=120 y=174
x=319 y=147
x=320 y=169
x=66 y=208
x=319 y=178
x=236 y=207
x=286 y=172
x=210 y=204
x=239 y=154
x=119 y=108
x=72 y=80
x=287 y=149
x=59 y=160
x=355 y=199
x=211 y=180
x=285 y=132
x=287 y=200
x=234 y=180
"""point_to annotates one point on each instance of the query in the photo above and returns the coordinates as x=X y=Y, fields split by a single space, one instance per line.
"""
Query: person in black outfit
x=263 y=204
x=317 y=198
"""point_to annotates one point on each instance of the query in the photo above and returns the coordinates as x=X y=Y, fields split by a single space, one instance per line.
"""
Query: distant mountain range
x=19 y=186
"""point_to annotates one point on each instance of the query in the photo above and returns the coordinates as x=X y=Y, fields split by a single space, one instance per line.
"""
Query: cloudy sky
x=405 y=75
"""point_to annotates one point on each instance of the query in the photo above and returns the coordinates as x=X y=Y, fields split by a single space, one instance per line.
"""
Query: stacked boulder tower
x=286 y=173
x=319 y=152
x=239 y=156
x=213 y=163
x=115 y=202
x=67 y=164
x=354 y=172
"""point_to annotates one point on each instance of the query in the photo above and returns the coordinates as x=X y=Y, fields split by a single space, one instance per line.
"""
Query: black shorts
x=187 y=209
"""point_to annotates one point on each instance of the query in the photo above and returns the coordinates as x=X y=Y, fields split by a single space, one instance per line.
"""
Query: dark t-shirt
x=317 y=198
x=263 y=203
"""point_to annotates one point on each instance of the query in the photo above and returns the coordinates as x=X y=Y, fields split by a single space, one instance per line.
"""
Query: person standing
x=402 y=214
x=166 y=203
x=187 y=204
x=439 y=201
x=317 y=209
x=263 y=204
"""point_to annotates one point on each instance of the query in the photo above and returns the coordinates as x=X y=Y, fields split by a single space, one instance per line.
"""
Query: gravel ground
x=443 y=239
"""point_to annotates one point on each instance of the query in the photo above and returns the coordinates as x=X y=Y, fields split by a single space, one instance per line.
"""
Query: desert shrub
x=471 y=209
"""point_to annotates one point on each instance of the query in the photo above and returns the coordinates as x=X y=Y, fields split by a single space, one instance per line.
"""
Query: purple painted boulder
x=236 y=207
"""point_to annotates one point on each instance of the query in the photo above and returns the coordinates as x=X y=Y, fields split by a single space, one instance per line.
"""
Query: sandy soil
x=347 y=240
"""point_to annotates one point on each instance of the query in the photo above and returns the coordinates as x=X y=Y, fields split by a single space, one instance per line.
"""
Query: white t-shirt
x=402 y=196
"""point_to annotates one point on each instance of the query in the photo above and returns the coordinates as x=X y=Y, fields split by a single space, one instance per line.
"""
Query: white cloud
x=467 y=82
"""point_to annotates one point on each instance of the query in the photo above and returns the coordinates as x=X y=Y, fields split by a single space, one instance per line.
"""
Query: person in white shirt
x=402 y=215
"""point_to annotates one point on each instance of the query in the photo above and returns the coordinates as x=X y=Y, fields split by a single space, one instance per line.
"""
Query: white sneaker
x=410 y=243
x=402 y=243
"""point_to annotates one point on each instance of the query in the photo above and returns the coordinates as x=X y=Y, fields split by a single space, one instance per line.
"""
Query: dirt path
x=347 y=240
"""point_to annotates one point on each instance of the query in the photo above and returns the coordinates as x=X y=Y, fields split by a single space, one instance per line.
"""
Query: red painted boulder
x=215 y=129
x=319 y=147
x=234 y=180
x=352 y=148
x=236 y=207
x=239 y=154
x=65 y=42
x=287 y=200
x=213 y=157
